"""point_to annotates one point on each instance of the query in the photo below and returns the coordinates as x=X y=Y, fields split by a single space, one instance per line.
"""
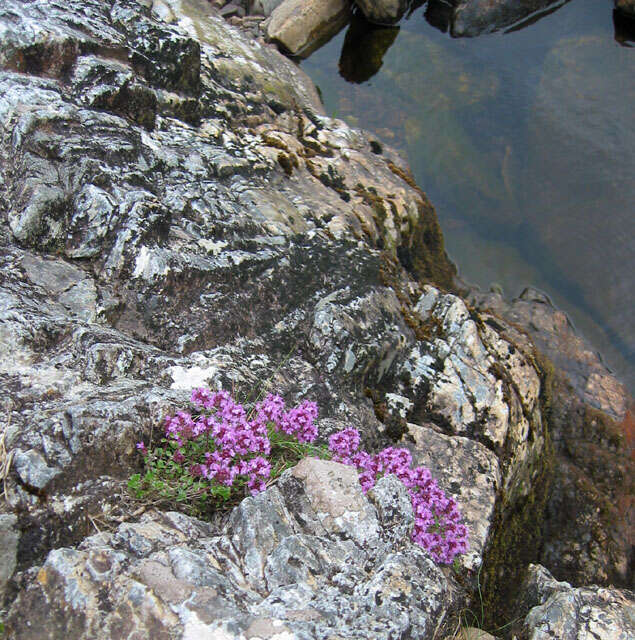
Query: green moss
x=518 y=527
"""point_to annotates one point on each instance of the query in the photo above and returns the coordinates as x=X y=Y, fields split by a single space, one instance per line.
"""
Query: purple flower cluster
x=438 y=526
x=236 y=443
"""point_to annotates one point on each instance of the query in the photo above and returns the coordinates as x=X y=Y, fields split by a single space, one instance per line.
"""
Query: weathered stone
x=32 y=468
x=264 y=7
x=474 y=17
x=587 y=535
x=169 y=574
x=383 y=11
x=568 y=613
x=301 y=26
x=468 y=471
x=9 y=538
x=180 y=212
x=461 y=379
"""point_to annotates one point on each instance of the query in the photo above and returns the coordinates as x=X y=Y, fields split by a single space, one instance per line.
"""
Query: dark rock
x=473 y=17
x=626 y=6
x=383 y=11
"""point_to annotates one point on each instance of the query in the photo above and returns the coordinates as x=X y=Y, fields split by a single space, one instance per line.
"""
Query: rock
x=383 y=11
x=280 y=564
x=587 y=535
x=180 y=212
x=468 y=471
x=32 y=468
x=231 y=9
x=301 y=26
x=474 y=17
x=9 y=538
x=563 y=612
x=626 y=6
x=264 y=7
x=473 y=633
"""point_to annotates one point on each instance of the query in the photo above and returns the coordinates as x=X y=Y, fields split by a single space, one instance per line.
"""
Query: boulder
x=264 y=7
x=474 y=17
x=301 y=26
x=383 y=11
x=560 y=611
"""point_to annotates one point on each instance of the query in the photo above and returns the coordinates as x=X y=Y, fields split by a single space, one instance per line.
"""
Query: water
x=525 y=143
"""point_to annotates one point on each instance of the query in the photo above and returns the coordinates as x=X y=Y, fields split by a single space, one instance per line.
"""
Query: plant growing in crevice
x=214 y=456
x=438 y=527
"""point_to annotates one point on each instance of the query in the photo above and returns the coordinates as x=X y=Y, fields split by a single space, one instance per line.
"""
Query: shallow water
x=525 y=142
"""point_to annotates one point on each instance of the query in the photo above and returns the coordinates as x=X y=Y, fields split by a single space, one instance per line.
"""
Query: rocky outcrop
x=383 y=11
x=559 y=611
x=180 y=212
x=588 y=533
x=310 y=558
x=301 y=26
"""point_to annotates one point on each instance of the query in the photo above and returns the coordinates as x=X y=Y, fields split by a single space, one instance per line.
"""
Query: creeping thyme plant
x=213 y=456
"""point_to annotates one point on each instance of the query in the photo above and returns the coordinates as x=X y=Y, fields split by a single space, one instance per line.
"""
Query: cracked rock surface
x=310 y=558
x=179 y=212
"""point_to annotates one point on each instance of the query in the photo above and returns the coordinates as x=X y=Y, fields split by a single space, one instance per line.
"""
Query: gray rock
x=32 y=468
x=264 y=7
x=383 y=11
x=568 y=613
x=460 y=379
x=9 y=538
x=301 y=26
x=171 y=574
x=470 y=473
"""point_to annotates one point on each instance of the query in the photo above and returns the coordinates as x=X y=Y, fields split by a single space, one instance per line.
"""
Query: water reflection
x=624 y=29
x=526 y=145
x=365 y=45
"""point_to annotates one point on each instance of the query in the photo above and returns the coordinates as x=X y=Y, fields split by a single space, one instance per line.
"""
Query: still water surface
x=525 y=142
